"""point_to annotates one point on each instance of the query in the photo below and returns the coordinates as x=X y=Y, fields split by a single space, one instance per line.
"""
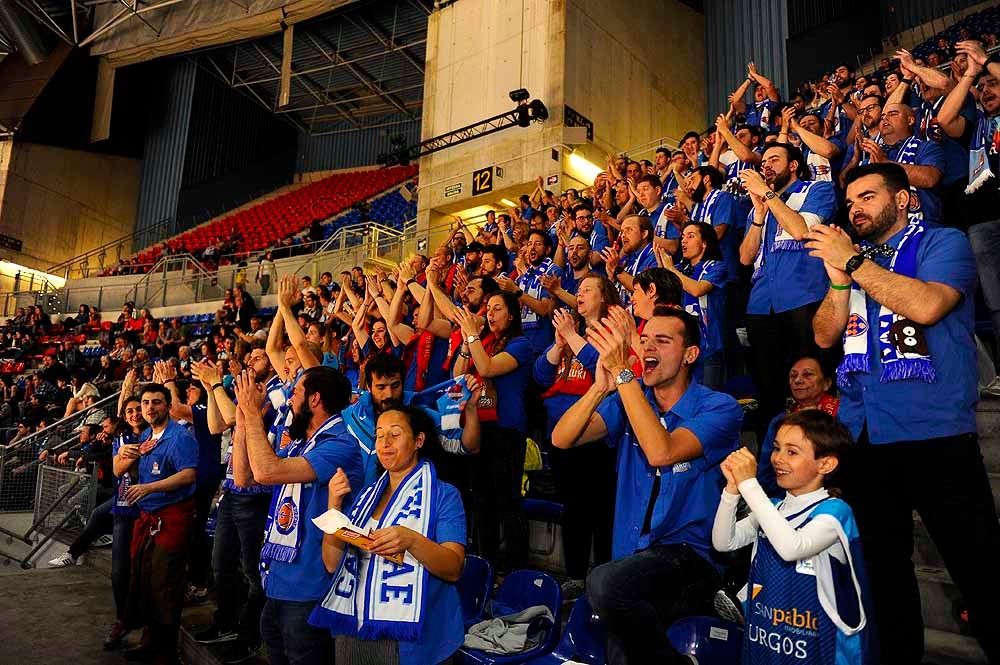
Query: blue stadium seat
x=520 y=590
x=543 y=511
x=474 y=588
x=582 y=641
x=712 y=641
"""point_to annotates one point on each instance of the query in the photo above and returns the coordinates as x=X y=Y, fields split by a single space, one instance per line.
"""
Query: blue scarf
x=902 y=342
x=907 y=154
x=794 y=197
x=283 y=531
x=396 y=595
x=987 y=133
x=698 y=307
x=703 y=211
x=531 y=283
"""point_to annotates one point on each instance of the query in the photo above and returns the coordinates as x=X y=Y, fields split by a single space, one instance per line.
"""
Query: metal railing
x=79 y=266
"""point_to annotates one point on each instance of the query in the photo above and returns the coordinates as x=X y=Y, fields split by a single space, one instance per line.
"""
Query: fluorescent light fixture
x=508 y=203
x=584 y=168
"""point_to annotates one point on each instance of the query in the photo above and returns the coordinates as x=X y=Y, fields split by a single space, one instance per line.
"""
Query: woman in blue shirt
x=703 y=276
x=420 y=621
x=501 y=356
x=584 y=475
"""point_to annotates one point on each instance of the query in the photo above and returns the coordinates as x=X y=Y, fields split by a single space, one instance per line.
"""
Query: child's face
x=795 y=464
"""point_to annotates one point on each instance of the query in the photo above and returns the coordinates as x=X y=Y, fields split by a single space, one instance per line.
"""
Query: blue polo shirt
x=176 y=450
x=634 y=263
x=761 y=114
x=569 y=282
x=791 y=278
x=209 y=446
x=306 y=578
x=929 y=153
x=684 y=510
x=913 y=410
x=956 y=158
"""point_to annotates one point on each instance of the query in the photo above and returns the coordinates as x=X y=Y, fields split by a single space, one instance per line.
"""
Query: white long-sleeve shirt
x=791 y=544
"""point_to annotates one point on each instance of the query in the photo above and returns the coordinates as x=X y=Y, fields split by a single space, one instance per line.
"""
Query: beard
x=300 y=423
x=385 y=404
x=884 y=220
x=781 y=179
x=698 y=195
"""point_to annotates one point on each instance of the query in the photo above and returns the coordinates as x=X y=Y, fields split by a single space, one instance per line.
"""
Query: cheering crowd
x=830 y=247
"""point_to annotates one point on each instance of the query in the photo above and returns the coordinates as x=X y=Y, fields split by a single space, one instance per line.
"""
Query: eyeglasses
x=866 y=109
x=583 y=217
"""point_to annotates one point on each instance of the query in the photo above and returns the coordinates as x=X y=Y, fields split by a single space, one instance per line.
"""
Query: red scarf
x=492 y=345
x=827 y=404
x=572 y=378
x=169 y=527
x=418 y=350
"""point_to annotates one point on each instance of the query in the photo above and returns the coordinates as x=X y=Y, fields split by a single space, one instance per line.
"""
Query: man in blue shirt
x=292 y=570
x=167 y=461
x=671 y=435
x=903 y=309
x=536 y=303
x=577 y=256
x=787 y=284
x=585 y=225
x=636 y=254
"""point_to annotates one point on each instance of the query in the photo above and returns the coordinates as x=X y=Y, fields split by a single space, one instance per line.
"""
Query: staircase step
x=944 y=648
x=941 y=601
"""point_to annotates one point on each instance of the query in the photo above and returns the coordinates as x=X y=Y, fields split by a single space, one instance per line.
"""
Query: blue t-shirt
x=634 y=263
x=176 y=450
x=720 y=209
x=789 y=277
x=512 y=386
x=929 y=153
x=209 y=446
x=306 y=578
x=684 y=509
x=545 y=375
x=711 y=305
x=443 y=635
x=538 y=329
x=912 y=410
x=955 y=166
x=761 y=114
x=598 y=237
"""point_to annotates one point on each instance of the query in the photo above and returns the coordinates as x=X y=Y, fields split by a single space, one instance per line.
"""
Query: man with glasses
x=585 y=226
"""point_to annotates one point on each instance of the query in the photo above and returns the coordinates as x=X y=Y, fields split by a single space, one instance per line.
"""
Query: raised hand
x=338 y=487
x=742 y=465
x=249 y=395
x=610 y=256
x=974 y=50
x=564 y=322
x=289 y=291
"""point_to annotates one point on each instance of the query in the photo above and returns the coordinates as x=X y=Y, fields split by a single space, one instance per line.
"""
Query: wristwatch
x=854 y=263
x=519 y=293
x=624 y=375
x=471 y=338
x=770 y=195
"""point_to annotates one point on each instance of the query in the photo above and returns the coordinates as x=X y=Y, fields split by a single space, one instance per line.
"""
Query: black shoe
x=239 y=653
x=213 y=635
x=139 y=654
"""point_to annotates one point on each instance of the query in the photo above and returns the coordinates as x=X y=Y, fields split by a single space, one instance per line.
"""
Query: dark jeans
x=121 y=561
x=201 y=552
x=639 y=596
x=586 y=479
x=99 y=523
x=945 y=481
x=495 y=475
x=776 y=341
x=239 y=535
x=290 y=640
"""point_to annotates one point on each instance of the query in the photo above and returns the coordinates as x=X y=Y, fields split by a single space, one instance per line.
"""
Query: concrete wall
x=637 y=72
x=61 y=203
x=592 y=56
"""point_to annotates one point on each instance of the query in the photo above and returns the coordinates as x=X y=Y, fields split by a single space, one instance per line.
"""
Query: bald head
x=897 y=123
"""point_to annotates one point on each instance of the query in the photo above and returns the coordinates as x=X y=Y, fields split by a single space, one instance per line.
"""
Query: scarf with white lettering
x=531 y=283
x=283 y=531
x=698 y=307
x=703 y=210
x=395 y=597
x=902 y=342
x=985 y=137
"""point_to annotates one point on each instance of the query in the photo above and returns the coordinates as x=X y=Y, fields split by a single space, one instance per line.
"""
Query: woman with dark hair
x=501 y=357
x=322 y=335
x=368 y=625
x=812 y=387
x=583 y=474
x=703 y=276
x=125 y=449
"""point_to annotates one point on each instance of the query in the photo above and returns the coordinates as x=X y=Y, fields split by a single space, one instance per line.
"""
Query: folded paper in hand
x=339 y=526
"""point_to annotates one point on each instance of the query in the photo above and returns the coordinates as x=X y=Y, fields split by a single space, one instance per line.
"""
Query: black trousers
x=586 y=479
x=945 y=481
x=495 y=477
x=776 y=340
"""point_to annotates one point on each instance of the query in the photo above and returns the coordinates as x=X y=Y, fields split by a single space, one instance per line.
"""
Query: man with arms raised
x=671 y=435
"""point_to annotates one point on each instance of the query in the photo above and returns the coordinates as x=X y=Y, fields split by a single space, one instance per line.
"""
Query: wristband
x=840 y=287
x=216 y=385
x=906 y=81
x=465 y=355
x=759 y=226
x=169 y=381
x=410 y=282
x=519 y=293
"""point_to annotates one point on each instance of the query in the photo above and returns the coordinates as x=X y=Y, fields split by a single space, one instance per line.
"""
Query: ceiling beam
x=385 y=40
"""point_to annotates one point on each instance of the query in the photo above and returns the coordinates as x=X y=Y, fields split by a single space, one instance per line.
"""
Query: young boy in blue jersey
x=806 y=598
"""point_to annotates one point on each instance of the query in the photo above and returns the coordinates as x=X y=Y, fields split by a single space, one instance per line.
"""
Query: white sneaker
x=64 y=560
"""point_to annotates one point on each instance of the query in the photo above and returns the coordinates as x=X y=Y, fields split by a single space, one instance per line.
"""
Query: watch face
x=624 y=376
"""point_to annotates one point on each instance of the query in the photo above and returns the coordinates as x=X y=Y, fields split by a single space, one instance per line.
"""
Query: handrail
x=78 y=415
x=67 y=265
